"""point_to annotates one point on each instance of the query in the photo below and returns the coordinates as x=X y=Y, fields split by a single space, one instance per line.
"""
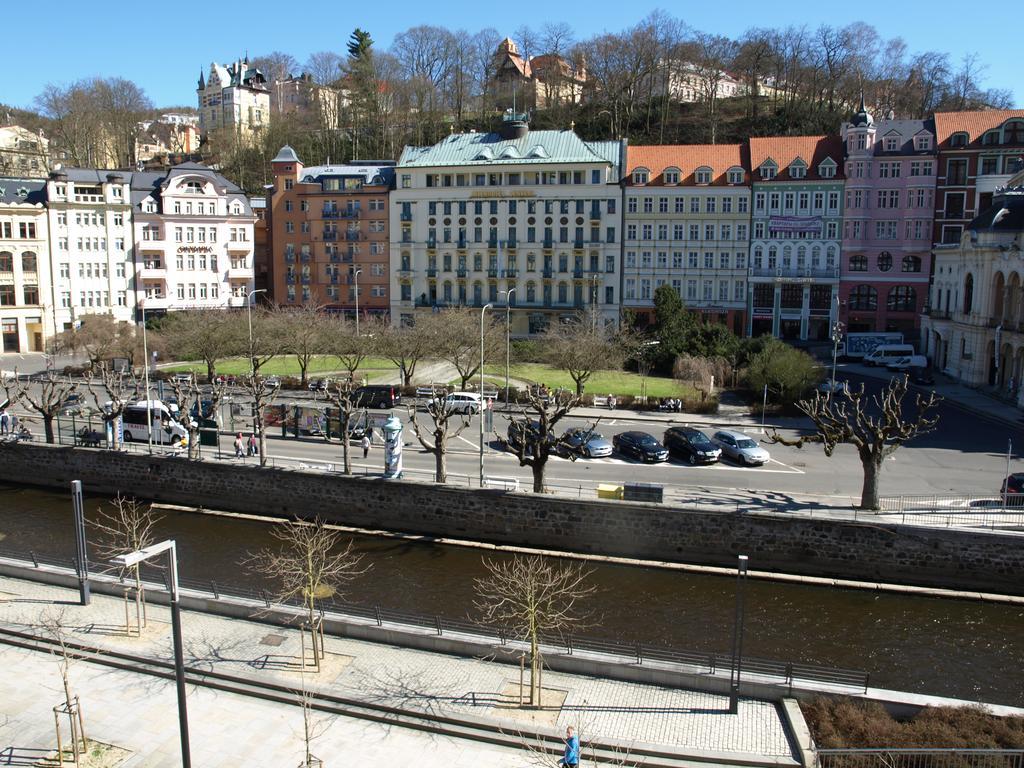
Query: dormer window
x=735 y=175
x=798 y=170
x=768 y=171
x=671 y=175
x=640 y=176
x=827 y=171
x=958 y=139
x=923 y=142
x=193 y=188
x=702 y=175
x=891 y=144
x=1013 y=132
x=990 y=138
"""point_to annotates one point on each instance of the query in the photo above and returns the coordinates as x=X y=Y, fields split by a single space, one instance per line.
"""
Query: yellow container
x=608 y=491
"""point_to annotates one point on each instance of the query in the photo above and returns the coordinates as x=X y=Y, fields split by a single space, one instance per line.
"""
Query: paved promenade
x=137 y=711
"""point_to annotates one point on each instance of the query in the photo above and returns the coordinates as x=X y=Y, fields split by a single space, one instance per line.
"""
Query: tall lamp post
x=145 y=377
x=355 y=278
x=248 y=309
x=82 y=557
x=737 y=636
x=837 y=336
x=134 y=558
x=508 y=337
x=483 y=311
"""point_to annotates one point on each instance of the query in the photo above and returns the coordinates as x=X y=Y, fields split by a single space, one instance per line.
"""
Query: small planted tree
x=876 y=426
x=533 y=436
x=115 y=392
x=55 y=625
x=434 y=437
x=126 y=525
x=48 y=400
x=309 y=565
x=529 y=596
x=343 y=394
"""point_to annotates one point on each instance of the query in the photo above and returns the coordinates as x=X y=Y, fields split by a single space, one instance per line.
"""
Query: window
x=884 y=261
x=968 y=294
x=827 y=170
x=954 y=208
x=956 y=171
x=859 y=263
x=958 y=140
x=911 y=263
x=902 y=298
x=863 y=298
x=768 y=171
x=672 y=176
x=640 y=176
x=923 y=142
x=735 y=175
x=797 y=171
x=702 y=175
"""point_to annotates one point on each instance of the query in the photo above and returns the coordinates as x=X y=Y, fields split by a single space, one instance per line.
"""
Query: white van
x=462 y=402
x=166 y=430
x=884 y=353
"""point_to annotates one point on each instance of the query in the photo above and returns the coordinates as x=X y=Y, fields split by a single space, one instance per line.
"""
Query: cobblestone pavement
x=372 y=672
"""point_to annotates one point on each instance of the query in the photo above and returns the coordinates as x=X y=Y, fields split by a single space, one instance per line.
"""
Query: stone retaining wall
x=982 y=561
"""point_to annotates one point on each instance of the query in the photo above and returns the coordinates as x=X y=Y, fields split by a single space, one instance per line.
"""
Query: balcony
x=577 y=245
x=335 y=279
x=330 y=213
x=405 y=271
x=240 y=246
x=334 y=257
x=511 y=244
x=431 y=271
x=330 y=236
x=548 y=273
x=350 y=213
x=240 y=273
x=462 y=245
x=153 y=270
x=305 y=257
x=793 y=273
x=431 y=245
x=493 y=272
x=578 y=273
x=405 y=216
x=512 y=274
x=548 y=244
x=289 y=279
x=289 y=258
x=461 y=273
x=492 y=242
x=353 y=236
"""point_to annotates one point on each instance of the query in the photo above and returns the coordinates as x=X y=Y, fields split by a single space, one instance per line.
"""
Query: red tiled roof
x=974 y=123
x=785 y=149
x=687 y=158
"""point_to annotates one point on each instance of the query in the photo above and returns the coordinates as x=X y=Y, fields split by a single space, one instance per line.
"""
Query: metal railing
x=790 y=674
x=1000 y=510
x=919 y=758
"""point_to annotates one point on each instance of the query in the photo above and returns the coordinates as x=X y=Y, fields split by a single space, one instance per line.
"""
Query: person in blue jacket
x=571 y=758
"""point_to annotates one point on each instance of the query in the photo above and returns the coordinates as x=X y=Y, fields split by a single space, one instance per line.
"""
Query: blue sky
x=163 y=47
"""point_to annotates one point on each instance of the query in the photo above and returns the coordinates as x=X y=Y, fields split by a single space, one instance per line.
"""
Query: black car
x=919 y=375
x=640 y=445
x=378 y=396
x=317 y=385
x=516 y=430
x=1013 y=489
x=692 y=445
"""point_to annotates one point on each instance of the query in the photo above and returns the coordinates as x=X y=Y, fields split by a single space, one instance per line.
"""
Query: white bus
x=166 y=430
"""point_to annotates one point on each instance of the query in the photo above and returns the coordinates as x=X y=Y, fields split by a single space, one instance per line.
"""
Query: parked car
x=907 y=361
x=317 y=385
x=1013 y=488
x=741 y=448
x=920 y=375
x=691 y=444
x=584 y=442
x=640 y=445
x=183 y=378
x=272 y=382
x=378 y=396
x=516 y=430
x=72 y=404
x=462 y=402
x=827 y=387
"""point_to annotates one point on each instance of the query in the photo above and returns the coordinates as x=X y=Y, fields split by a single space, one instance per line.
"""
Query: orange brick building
x=329 y=234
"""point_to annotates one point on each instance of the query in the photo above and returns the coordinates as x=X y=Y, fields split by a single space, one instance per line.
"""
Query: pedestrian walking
x=365 y=443
x=14 y=423
x=571 y=756
x=239 y=447
x=254 y=448
x=5 y=422
x=369 y=433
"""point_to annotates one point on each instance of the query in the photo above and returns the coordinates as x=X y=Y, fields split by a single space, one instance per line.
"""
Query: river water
x=958 y=648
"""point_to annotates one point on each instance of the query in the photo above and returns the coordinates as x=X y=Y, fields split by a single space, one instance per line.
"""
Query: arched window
x=884 y=261
x=863 y=297
x=6 y=261
x=858 y=263
x=968 y=294
x=911 y=263
x=28 y=261
x=1013 y=132
x=902 y=298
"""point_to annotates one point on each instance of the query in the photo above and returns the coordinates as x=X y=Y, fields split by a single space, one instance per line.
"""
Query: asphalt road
x=966 y=455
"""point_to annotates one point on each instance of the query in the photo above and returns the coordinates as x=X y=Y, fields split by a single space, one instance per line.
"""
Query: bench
x=431 y=391
x=506 y=483
x=600 y=401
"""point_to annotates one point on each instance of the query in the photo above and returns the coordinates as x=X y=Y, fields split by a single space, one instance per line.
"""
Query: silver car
x=741 y=448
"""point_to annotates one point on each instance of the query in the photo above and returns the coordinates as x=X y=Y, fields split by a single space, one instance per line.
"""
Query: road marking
x=476 y=446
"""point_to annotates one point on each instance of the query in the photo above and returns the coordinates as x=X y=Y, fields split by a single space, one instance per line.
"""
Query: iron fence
x=919 y=758
x=790 y=674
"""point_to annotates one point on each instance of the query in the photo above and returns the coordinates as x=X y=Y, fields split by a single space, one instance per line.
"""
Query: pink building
x=890 y=189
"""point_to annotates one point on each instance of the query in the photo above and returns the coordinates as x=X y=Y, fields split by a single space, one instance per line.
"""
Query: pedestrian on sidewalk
x=611 y=402
x=571 y=757
x=369 y=433
x=5 y=422
x=365 y=443
x=254 y=448
x=239 y=447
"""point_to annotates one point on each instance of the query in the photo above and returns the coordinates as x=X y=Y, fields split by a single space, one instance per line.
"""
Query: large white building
x=193 y=232
x=974 y=326
x=233 y=97
x=91 y=244
x=26 y=308
x=478 y=214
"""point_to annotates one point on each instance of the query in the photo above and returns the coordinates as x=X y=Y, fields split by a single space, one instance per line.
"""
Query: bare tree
x=454 y=335
x=127 y=525
x=326 y=67
x=206 y=335
x=441 y=412
x=50 y=400
x=263 y=392
x=309 y=565
x=405 y=346
x=844 y=418
x=343 y=394
x=207 y=406
x=530 y=596
x=533 y=437
x=54 y=624
x=580 y=348
x=115 y=391
x=304 y=333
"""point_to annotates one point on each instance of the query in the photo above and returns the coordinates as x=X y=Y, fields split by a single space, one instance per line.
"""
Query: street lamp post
x=483 y=311
x=248 y=309
x=145 y=376
x=837 y=335
x=355 y=278
x=508 y=337
x=134 y=558
x=737 y=636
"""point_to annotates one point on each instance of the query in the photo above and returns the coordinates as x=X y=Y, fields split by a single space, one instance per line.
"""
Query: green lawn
x=285 y=365
x=600 y=383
